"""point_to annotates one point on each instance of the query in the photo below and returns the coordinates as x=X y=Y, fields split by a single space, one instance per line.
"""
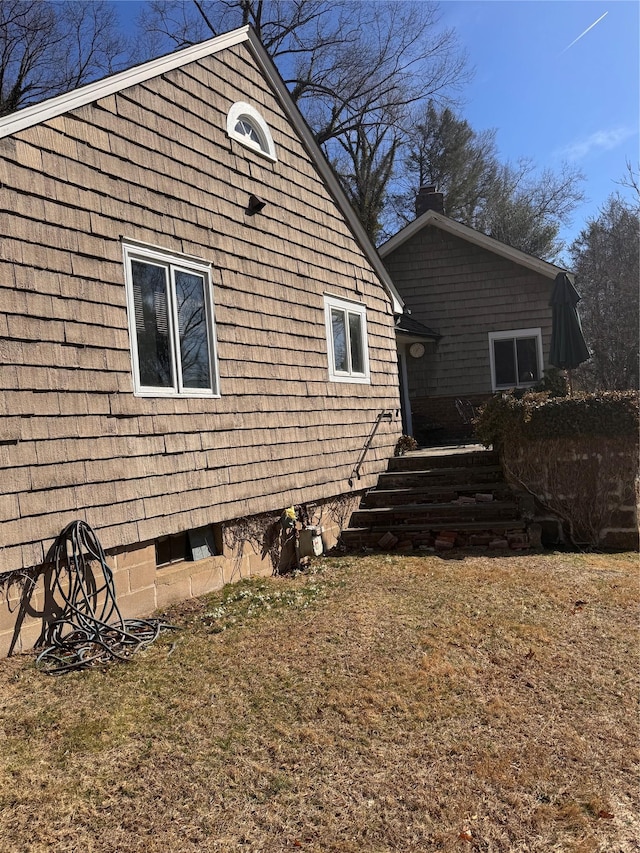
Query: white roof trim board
x=439 y=220
x=54 y=107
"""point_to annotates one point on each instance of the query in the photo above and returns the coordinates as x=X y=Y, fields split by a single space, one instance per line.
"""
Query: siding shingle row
x=154 y=164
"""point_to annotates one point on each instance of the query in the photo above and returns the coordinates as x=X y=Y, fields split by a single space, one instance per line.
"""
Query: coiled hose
x=90 y=630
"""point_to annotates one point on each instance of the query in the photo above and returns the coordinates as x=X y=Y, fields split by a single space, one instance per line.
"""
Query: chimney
x=429 y=198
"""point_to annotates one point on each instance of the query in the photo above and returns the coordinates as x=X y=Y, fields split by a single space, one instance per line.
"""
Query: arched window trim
x=245 y=112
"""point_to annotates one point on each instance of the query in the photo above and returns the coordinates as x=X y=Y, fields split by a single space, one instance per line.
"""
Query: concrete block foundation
x=27 y=604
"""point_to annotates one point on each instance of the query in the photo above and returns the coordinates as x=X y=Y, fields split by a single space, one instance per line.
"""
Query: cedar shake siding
x=152 y=164
x=464 y=290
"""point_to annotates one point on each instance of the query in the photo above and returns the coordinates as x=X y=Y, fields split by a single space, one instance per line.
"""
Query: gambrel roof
x=84 y=95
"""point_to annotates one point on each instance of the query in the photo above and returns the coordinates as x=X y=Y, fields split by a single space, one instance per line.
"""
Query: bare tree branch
x=49 y=48
x=514 y=203
x=353 y=68
x=631 y=181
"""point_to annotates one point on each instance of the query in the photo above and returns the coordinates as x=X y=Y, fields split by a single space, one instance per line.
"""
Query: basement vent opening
x=189 y=546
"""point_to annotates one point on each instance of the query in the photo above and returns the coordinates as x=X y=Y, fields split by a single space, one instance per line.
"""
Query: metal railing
x=382 y=416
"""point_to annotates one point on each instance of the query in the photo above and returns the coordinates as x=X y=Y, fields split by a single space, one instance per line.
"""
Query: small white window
x=246 y=125
x=171 y=324
x=346 y=327
x=516 y=358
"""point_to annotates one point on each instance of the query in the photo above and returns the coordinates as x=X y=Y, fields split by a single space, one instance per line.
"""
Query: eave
x=53 y=107
x=470 y=235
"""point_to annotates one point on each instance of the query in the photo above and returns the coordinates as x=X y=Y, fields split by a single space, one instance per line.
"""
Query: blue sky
x=550 y=101
x=553 y=91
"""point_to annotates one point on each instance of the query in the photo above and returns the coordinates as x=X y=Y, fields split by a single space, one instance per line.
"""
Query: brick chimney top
x=429 y=198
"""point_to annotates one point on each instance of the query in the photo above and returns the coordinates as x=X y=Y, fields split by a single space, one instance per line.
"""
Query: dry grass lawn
x=382 y=703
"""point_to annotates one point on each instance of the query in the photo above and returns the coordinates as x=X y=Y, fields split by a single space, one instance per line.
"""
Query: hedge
x=538 y=415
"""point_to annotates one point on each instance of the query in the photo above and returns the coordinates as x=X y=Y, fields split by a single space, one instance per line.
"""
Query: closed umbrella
x=568 y=346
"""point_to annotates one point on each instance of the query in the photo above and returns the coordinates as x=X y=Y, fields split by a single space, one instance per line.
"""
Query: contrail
x=584 y=33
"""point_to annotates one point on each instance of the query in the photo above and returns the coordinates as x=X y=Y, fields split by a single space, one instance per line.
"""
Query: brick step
x=427 y=477
x=463 y=459
x=465 y=526
x=506 y=535
x=415 y=506
x=433 y=494
x=430 y=515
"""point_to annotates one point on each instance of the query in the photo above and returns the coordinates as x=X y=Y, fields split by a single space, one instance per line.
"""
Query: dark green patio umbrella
x=568 y=346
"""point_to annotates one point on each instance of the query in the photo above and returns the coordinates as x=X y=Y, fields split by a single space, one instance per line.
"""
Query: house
x=195 y=330
x=478 y=320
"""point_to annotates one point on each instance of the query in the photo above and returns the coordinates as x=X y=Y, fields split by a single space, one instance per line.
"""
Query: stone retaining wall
x=586 y=488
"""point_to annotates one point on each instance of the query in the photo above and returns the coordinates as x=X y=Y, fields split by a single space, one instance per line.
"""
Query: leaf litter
x=376 y=704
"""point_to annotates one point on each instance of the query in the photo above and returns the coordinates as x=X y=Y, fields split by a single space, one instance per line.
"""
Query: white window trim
x=354 y=308
x=243 y=110
x=134 y=251
x=515 y=333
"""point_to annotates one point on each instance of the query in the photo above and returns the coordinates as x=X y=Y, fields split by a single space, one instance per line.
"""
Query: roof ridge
x=472 y=235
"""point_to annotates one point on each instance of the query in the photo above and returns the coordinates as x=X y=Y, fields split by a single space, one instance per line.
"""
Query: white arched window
x=246 y=125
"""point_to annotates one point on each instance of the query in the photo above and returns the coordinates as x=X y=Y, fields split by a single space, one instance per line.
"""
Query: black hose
x=90 y=630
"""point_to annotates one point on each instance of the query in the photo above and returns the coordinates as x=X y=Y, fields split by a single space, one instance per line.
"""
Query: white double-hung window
x=346 y=327
x=171 y=323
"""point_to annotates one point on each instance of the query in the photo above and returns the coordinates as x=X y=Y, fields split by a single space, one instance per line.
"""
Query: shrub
x=404 y=444
x=554 y=381
x=538 y=415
